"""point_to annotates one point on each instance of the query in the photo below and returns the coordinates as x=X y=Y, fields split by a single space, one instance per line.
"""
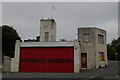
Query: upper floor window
x=86 y=37
x=100 y=38
x=46 y=36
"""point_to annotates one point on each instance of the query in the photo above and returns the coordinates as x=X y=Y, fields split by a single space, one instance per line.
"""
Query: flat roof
x=47 y=44
x=89 y=27
x=47 y=19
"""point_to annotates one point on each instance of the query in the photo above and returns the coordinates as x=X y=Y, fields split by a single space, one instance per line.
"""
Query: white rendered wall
x=6 y=64
x=15 y=60
x=101 y=48
x=88 y=47
x=77 y=56
x=92 y=48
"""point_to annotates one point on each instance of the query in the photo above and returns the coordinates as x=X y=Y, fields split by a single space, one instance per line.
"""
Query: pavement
x=111 y=72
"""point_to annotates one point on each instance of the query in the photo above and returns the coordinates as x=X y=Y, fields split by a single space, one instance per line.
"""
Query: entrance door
x=84 y=60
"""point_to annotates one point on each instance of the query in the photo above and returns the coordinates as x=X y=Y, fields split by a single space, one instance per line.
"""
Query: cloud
x=69 y=16
x=0 y=13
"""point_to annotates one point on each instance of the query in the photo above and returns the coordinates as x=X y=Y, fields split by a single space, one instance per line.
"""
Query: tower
x=47 y=30
x=93 y=47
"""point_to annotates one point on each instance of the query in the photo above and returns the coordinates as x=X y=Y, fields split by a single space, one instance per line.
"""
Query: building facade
x=50 y=57
x=93 y=47
x=89 y=51
x=47 y=30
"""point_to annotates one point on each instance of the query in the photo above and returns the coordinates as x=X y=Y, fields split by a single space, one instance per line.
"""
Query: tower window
x=46 y=36
x=100 y=38
x=86 y=37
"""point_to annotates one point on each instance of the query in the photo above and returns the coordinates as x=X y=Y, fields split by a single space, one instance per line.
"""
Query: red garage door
x=53 y=60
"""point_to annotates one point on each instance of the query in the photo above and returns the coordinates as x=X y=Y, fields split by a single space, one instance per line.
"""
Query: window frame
x=101 y=55
x=47 y=36
x=86 y=40
x=101 y=36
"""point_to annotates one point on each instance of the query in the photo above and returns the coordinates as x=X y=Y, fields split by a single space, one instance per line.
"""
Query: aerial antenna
x=53 y=8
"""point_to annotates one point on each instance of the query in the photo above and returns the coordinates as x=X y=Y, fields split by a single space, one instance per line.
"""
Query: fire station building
x=89 y=51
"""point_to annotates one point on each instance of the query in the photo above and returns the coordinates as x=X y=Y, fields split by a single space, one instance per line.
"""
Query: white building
x=89 y=51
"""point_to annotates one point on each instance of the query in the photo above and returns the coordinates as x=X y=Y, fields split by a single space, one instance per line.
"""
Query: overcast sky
x=0 y=13
x=25 y=17
x=119 y=19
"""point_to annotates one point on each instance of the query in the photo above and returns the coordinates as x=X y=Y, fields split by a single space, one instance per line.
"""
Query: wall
x=15 y=60
x=77 y=56
x=6 y=64
x=88 y=47
x=101 y=47
x=92 y=48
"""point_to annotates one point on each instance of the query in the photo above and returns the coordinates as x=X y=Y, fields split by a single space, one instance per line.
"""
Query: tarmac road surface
x=111 y=72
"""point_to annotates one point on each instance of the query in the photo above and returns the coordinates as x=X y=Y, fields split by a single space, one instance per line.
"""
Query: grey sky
x=0 y=13
x=25 y=17
x=0 y=46
x=119 y=20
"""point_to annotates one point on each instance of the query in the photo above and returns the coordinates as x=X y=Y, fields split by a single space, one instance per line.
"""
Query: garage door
x=49 y=59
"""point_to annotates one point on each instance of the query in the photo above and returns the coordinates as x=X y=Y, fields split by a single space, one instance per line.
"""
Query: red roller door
x=49 y=59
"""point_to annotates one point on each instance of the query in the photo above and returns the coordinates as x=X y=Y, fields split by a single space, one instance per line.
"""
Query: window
x=86 y=37
x=101 y=56
x=52 y=22
x=45 y=26
x=100 y=38
x=46 y=36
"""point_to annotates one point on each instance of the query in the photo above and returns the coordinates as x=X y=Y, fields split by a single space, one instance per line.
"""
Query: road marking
x=116 y=76
x=92 y=77
x=110 y=77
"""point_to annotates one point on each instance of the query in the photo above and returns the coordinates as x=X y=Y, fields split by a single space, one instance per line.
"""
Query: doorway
x=84 y=60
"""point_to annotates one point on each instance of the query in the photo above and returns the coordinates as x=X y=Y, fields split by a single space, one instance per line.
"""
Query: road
x=108 y=73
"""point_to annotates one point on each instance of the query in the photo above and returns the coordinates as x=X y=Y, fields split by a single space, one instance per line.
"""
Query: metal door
x=48 y=59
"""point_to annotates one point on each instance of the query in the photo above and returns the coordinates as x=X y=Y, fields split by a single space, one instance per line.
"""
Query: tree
x=114 y=48
x=37 y=38
x=62 y=40
x=33 y=40
x=111 y=52
x=9 y=37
